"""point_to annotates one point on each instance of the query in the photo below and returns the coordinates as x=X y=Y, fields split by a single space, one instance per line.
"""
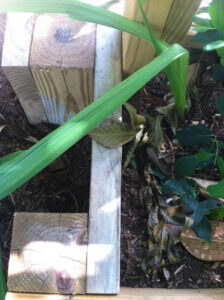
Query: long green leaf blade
x=176 y=72
x=3 y=288
x=77 y=10
x=22 y=168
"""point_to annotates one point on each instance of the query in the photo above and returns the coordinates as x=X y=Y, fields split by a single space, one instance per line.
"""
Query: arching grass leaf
x=214 y=45
x=9 y=157
x=176 y=72
x=216 y=12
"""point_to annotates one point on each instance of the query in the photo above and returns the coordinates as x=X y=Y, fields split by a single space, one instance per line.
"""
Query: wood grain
x=2 y=33
x=103 y=262
x=170 y=20
x=134 y=294
x=179 y=20
x=62 y=63
x=48 y=253
x=15 y=63
x=136 y=52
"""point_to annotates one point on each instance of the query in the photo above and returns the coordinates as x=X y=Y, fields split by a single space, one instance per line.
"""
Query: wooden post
x=48 y=253
x=133 y=294
x=49 y=61
x=170 y=20
x=15 y=64
x=103 y=260
x=62 y=63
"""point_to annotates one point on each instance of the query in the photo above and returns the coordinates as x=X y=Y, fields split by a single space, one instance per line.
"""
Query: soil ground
x=64 y=187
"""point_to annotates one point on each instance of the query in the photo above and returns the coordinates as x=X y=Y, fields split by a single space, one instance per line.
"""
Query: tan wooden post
x=170 y=19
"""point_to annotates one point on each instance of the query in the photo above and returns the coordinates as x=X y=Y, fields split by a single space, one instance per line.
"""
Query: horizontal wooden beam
x=133 y=294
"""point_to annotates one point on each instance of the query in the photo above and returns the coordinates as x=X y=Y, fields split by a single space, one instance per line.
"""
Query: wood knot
x=64 y=36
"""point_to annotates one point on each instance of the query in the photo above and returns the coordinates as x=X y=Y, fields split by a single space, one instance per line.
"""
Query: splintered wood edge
x=133 y=294
x=103 y=259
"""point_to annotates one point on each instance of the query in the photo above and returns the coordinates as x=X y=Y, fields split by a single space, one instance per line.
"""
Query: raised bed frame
x=104 y=210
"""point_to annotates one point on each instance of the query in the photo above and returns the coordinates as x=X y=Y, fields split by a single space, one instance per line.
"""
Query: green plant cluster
x=211 y=33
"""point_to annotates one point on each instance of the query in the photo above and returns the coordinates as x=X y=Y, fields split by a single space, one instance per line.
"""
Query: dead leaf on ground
x=213 y=251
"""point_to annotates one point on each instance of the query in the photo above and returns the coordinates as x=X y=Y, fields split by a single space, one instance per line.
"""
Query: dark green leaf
x=218 y=72
x=220 y=145
x=201 y=21
x=186 y=189
x=195 y=135
x=217 y=213
x=207 y=37
x=220 y=102
x=185 y=166
x=220 y=163
x=203 y=156
x=204 y=208
x=114 y=135
x=203 y=229
x=158 y=174
x=217 y=190
x=134 y=165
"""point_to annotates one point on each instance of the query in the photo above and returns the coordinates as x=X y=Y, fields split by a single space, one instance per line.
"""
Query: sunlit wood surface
x=48 y=253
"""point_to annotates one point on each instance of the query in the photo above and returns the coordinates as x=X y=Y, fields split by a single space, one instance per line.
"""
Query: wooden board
x=62 y=62
x=48 y=253
x=134 y=294
x=103 y=262
x=170 y=20
x=15 y=62
x=136 y=52
x=2 y=33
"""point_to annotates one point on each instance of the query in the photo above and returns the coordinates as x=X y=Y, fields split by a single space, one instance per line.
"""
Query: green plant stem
x=3 y=288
